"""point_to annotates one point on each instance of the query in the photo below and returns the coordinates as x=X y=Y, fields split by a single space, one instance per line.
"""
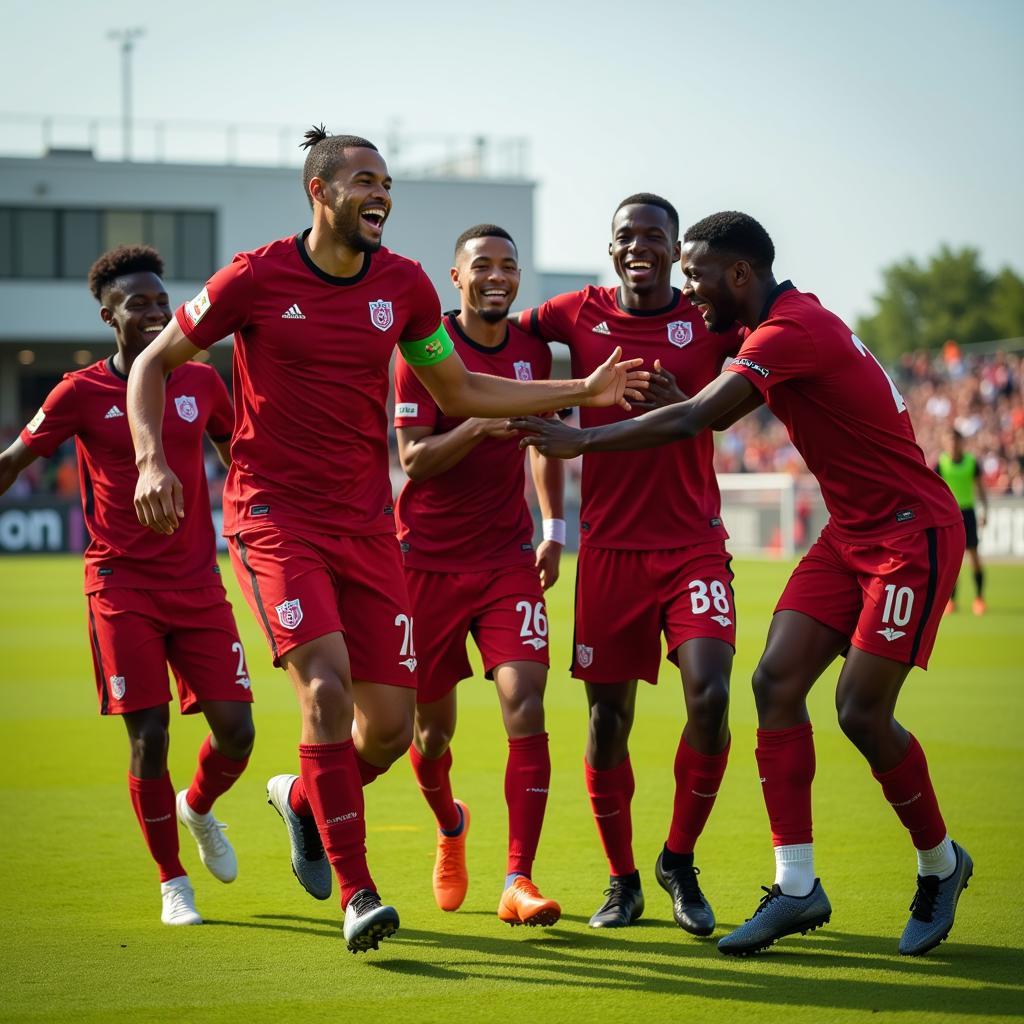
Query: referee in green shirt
x=962 y=473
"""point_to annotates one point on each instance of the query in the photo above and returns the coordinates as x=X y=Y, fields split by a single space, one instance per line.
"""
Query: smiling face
x=486 y=272
x=137 y=307
x=643 y=248
x=357 y=200
x=714 y=284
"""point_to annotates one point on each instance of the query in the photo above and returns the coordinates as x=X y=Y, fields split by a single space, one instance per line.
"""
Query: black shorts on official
x=970 y=528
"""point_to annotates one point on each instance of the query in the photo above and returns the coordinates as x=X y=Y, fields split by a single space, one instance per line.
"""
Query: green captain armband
x=430 y=350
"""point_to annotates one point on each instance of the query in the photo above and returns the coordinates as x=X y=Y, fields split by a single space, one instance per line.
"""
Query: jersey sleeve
x=425 y=309
x=222 y=307
x=414 y=406
x=221 y=423
x=56 y=421
x=553 y=320
x=776 y=351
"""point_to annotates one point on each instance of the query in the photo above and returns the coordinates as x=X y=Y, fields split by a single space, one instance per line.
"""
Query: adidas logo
x=602 y=328
x=293 y=313
x=113 y=412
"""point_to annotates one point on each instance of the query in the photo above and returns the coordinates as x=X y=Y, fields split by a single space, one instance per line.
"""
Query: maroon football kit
x=652 y=552
x=884 y=566
x=153 y=599
x=309 y=480
x=466 y=534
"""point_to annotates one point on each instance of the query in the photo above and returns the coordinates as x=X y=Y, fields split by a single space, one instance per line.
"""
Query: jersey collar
x=452 y=316
x=779 y=289
x=629 y=311
x=300 y=244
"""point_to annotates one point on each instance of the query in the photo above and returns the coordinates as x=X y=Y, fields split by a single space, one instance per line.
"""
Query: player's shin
x=332 y=785
x=611 y=793
x=527 y=778
x=908 y=788
x=785 y=761
x=215 y=775
x=433 y=776
x=698 y=778
x=153 y=803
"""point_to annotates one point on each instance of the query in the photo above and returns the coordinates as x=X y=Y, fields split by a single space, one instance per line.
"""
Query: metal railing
x=420 y=154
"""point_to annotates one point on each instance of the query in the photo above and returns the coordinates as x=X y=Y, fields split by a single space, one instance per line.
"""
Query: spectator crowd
x=980 y=395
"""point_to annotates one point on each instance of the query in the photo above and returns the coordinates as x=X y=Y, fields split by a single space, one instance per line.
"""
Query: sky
x=857 y=133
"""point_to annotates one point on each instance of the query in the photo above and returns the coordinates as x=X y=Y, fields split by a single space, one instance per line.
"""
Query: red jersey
x=656 y=498
x=90 y=405
x=474 y=515
x=846 y=417
x=311 y=373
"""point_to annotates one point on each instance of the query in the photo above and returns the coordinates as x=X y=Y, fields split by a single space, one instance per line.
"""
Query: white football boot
x=179 y=902
x=214 y=850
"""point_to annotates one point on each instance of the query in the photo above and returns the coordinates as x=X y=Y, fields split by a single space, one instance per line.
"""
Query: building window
x=47 y=243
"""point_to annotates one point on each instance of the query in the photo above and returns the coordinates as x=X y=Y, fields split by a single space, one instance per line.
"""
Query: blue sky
x=858 y=133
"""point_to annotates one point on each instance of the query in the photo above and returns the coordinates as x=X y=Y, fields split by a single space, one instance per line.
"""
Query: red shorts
x=301 y=588
x=625 y=600
x=134 y=634
x=503 y=610
x=886 y=596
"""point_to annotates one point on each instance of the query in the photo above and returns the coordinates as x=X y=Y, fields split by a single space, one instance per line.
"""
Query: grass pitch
x=82 y=940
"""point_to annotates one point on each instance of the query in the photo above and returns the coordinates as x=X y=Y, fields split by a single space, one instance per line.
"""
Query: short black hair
x=737 y=234
x=326 y=154
x=483 y=231
x=650 y=199
x=125 y=259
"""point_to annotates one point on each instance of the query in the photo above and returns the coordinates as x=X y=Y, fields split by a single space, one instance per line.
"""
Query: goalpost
x=760 y=513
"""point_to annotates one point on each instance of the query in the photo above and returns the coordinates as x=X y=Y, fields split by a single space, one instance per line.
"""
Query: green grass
x=81 y=938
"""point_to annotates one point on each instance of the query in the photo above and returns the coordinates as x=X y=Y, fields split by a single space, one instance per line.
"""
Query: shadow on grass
x=825 y=969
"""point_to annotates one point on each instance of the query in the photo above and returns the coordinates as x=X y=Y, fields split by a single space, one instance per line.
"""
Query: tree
x=952 y=296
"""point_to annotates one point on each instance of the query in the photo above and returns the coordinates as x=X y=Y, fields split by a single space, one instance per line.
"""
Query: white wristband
x=554 y=529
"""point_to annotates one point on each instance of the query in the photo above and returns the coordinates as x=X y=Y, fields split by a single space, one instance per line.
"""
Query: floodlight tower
x=126 y=37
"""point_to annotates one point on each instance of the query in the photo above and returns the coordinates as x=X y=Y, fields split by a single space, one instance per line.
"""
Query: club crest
x=680 y=333
x=584 y=655
x=289 y=613
x=117 y=687
x=187 y=408
x=382 y=316
x=524 y=371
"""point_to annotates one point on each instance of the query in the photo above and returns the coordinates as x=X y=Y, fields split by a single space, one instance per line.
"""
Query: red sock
x=331 y=781
x=698 y=777
x=909 y=789
x=368 y=772
x=153 y=803
x=298 y=801
x=215 y=775
x=527 y=777
x=610 y=796
x=785 y=760
x=433 y=776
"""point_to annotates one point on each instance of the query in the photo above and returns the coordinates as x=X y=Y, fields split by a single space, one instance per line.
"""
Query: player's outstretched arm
x=158 y=497
x=12 y=461
x=459 y=392
x=662 y=426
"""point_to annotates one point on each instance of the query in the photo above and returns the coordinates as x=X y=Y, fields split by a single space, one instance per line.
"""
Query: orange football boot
x=521 y=903
x=979 y=607
x=950 y=607
x=451 y=879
